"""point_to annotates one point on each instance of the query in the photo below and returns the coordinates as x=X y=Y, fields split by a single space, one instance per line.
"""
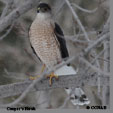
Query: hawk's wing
x=60 y=37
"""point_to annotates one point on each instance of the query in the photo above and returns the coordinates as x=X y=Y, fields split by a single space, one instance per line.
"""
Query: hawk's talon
x=52 y=75
x=34 y=77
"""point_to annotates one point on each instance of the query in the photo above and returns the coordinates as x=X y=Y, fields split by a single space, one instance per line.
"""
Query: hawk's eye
x=45 y=9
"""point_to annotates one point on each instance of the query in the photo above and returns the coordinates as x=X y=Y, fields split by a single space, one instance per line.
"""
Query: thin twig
x=59 y=5
x=8 y=31
x=105 y=36
x=9 y=3
x=96 y=57
x=78 y=20
x=16 y=13
x=93 y=67
x=84 y=10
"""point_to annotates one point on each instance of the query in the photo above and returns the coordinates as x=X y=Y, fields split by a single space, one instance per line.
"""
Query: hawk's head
x=43 y=8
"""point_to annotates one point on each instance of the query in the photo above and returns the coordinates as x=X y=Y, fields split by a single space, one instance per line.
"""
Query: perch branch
x=64 y=81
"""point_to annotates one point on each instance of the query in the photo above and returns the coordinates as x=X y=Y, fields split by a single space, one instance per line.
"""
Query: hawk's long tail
x=77 y=95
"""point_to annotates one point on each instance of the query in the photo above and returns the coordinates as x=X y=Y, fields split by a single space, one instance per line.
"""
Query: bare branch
x=16 y=13
x=105 y=95
x=31 y=85
x=98 y=56
x=78 y=20
x=97 y=42
x=8 y=5
x=59 y=5
x=64 y=81
x=93 y=67
x=8 y=31
x=84 y=10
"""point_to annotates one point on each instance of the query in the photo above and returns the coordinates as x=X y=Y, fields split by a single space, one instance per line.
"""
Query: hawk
x=46 y=39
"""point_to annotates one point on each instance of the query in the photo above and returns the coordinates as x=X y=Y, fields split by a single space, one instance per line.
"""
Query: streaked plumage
x=45 y=40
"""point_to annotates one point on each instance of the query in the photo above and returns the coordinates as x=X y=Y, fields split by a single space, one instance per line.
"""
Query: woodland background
x=16 y=64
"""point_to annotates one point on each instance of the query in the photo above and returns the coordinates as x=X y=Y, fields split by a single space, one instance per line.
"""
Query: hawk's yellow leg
x=35 y=77
x=52 y=75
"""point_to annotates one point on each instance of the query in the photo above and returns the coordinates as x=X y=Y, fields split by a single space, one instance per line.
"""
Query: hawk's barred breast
x=44 y=41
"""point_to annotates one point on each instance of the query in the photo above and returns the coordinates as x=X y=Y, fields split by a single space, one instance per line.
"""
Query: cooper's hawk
x=46 y=38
